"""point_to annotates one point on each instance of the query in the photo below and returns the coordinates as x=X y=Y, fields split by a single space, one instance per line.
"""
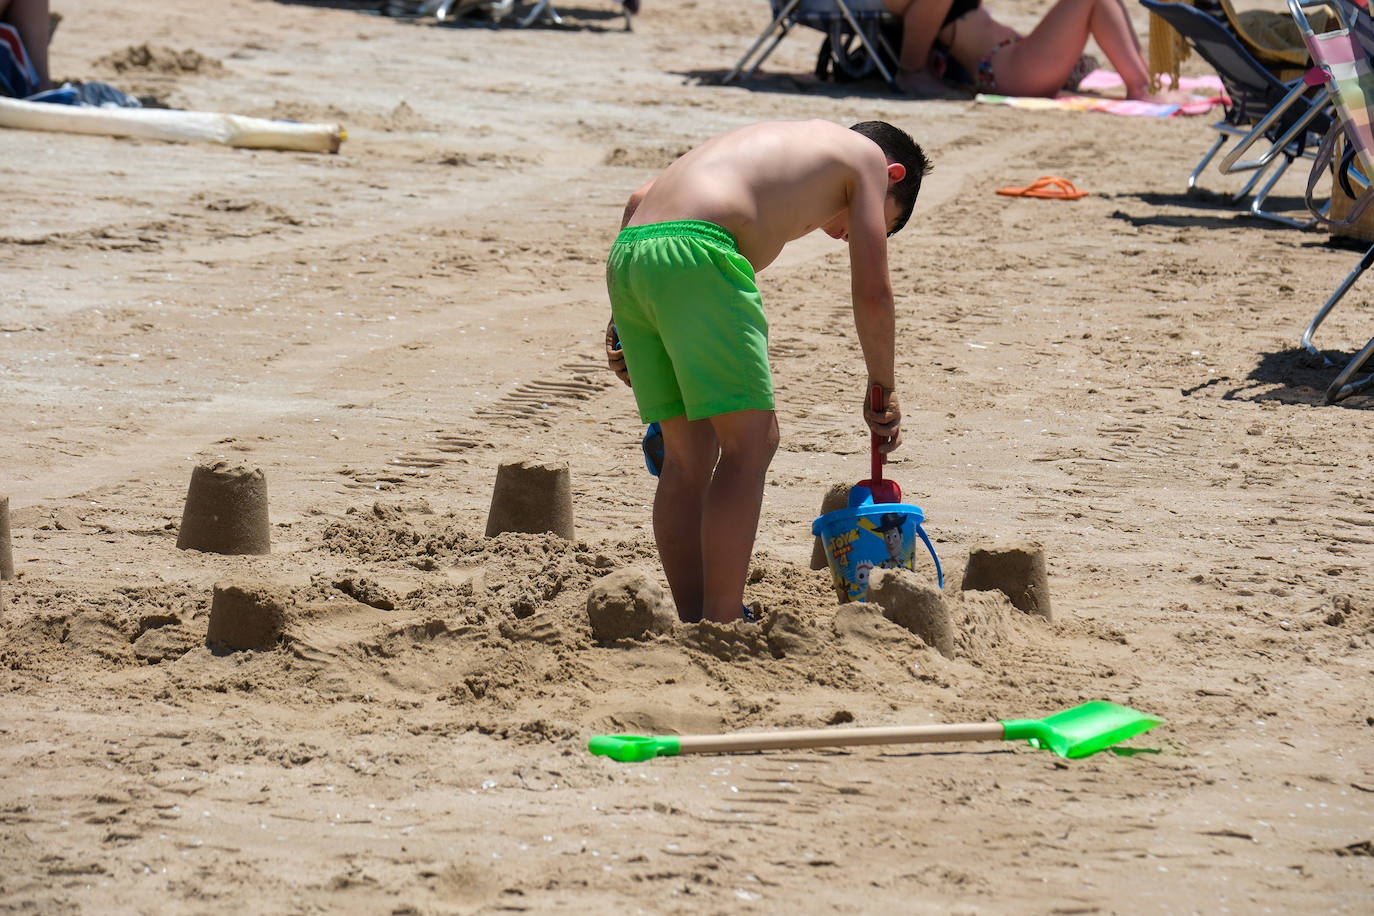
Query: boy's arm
x=874 y=310
x=633 y=203
x=614 y=357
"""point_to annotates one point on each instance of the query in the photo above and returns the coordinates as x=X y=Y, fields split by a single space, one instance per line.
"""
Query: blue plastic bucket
x=871 y=536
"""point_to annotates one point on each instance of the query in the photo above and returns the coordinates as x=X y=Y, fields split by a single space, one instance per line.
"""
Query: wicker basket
x=1342 y=204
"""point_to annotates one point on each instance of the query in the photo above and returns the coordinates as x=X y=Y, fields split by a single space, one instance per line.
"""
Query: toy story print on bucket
x=868 y=536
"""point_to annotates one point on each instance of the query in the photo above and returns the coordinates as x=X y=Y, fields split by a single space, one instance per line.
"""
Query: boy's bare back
x=767 y=184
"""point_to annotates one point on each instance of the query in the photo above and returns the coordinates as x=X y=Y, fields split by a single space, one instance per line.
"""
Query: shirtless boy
x=695 y=340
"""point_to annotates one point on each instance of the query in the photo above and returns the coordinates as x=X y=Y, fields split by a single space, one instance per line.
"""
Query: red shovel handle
x=882 y=491
x=875 y=401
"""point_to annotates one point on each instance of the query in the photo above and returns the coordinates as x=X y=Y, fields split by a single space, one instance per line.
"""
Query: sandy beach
x=1116 y=379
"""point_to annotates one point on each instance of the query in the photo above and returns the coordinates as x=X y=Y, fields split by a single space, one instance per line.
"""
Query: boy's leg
x=730 y=514
x=689 y=456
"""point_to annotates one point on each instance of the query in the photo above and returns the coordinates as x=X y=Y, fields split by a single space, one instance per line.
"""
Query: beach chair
x=499 y=9
x=1344 y=59
x=1254 y=92
x=1361 y=28
x=544 y=9
x=854 y=29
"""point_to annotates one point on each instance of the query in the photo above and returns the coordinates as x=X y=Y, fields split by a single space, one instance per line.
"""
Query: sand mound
x=485 y=620
x=643 y=157
x=145 y=58
x=628 y=604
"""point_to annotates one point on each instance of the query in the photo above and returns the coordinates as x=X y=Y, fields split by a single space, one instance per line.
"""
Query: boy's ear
x=895 y=172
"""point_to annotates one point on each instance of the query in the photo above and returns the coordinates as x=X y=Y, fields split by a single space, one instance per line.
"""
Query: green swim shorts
x=690 y=320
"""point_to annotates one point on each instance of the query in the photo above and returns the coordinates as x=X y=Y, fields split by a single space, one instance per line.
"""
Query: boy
x=695 y=341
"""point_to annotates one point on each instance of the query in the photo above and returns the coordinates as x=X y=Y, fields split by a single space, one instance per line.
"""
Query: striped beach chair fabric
x=1344 y=63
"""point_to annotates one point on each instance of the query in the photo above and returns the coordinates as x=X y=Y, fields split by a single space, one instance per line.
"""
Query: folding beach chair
x=1302 y=93
x=544 y=10
x=1254 y=92
x=499 y=9
x=1344 y=60
x=854 y=29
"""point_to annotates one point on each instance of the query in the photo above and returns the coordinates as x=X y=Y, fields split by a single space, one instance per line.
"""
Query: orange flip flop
x=1051 y=187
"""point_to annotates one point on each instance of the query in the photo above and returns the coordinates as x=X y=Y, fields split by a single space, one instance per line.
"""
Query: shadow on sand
x=1291 y=377
x=793 y=84
x=1207 y=210
x=609 y=17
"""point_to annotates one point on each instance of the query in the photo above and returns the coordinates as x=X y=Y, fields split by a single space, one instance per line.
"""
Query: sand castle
x=246 y=614
x=226 y=511
x=532 y=498
x=6 y=549
x=1016 y=570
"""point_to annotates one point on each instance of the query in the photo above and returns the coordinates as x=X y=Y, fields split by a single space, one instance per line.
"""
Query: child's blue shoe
x=653 y=449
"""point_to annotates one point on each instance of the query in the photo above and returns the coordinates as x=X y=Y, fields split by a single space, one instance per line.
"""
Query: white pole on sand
x=176 y=126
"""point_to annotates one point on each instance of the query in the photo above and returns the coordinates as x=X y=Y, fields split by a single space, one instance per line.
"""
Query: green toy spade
x=1073 y=733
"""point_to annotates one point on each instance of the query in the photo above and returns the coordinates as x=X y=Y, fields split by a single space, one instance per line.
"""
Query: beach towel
x=18 y=78
x=1207 y=92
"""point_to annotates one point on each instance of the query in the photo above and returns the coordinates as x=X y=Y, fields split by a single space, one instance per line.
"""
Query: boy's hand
x=885 y=423
x=615 y=357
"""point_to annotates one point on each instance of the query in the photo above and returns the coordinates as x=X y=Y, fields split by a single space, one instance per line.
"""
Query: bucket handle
x=939 y=573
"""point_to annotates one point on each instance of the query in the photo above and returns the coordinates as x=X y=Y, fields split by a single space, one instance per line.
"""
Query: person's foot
x=1142 y=93
x=920 y=84
x=1164 y=97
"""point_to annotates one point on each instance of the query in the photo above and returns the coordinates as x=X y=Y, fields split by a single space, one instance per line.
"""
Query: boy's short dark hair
x=898 y=146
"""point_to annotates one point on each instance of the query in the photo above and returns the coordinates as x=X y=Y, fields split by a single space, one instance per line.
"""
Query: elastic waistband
x=680 y=228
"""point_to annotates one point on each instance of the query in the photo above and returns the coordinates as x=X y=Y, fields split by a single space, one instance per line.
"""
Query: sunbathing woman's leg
x=1040 y=63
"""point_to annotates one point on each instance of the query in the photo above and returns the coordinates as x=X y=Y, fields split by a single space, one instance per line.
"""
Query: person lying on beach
x=688 y=332
x=1000 y=60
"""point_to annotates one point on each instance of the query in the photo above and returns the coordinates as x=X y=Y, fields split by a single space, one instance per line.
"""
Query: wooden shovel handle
x=839 y=737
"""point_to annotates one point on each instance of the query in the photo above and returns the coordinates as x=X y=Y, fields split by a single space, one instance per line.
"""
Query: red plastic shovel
x=884 y=491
